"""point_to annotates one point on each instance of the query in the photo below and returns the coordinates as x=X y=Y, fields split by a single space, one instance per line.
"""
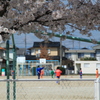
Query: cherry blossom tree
x=36 y=16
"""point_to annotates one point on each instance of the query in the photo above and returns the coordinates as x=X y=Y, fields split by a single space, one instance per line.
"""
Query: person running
x=58 y=74
x=39 y=71
x=80 y=72
x=52 y=73
x=97 y=73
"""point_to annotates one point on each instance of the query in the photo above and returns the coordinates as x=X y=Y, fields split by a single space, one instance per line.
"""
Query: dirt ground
x=49 y=77
x=50 y=90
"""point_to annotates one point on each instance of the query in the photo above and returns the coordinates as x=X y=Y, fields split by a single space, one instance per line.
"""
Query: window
x=80 y=55
x=68 y=55
x=98 y=53
x=48 y=50
x=86 y=65
x=33 y=52
x=39 y=51
x=92 y=54
x=98 y=65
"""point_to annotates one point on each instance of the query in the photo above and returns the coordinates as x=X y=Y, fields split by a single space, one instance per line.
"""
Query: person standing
x=80 y=72
x=58 y=74
x=12 y=74
x=97 y=73
x=52 y=73
x=42 y=73
x=39 y=71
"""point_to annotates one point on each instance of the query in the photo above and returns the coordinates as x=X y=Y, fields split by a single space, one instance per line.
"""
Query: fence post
x=8 y=71
x=97 y=89
x=14 y=68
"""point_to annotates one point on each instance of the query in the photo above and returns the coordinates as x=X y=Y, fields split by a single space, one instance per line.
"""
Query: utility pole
x=60 y=51
x=8 y=71
x=25 y=44
x=79 y=44
x=73 y=44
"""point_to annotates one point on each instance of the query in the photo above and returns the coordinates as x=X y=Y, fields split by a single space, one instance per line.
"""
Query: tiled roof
x=49 y=44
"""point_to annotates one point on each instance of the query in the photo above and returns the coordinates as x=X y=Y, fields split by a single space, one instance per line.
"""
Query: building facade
x=86 y=59
x=76 y=55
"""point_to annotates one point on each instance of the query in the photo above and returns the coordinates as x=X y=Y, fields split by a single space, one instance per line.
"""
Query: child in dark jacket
x=80 y=72
x=39 y=71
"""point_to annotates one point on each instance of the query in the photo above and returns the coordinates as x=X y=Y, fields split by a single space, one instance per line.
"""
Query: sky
x=31 y=38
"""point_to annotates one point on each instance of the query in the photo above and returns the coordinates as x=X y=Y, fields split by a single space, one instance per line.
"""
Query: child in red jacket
x=42 y=73
x=58 y=74
x=97 y=73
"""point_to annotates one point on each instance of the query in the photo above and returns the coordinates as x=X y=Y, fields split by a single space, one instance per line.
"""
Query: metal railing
x=48 y=89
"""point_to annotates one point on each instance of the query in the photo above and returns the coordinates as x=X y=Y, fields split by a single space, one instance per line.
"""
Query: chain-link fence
x=3 y=90
x=49 y=89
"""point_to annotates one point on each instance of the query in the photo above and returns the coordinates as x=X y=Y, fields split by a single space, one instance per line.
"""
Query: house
x=86 y=59
x=2 y=60
x=53 y=49
x=3 y=56
x=21 y=52
x=97 y=52
x=77 y=54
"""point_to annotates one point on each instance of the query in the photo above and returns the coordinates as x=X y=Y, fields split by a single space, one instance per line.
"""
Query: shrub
x=88 y=59
x=63 y=70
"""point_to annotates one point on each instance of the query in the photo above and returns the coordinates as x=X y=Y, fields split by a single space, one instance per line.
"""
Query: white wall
x=88 y=67
x=74 y=56
x=11 y=53
x=86 y=54
x=32 y=51
x=21 y=59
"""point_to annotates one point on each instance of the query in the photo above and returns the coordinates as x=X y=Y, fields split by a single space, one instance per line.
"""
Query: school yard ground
x=50 y=90
x=49 y=77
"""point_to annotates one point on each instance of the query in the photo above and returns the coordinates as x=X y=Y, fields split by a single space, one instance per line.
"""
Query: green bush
x=88 y=59
x=63 y=70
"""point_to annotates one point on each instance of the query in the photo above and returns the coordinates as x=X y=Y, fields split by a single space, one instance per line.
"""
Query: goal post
x=29 y=69
x=47 y=67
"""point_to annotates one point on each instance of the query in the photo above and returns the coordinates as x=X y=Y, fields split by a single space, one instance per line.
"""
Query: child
x=52 y=73
x=58 y=74
x=12 y=73
x=39 y=71
x=80 y=72
x=97 y=73
x=42 y=73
